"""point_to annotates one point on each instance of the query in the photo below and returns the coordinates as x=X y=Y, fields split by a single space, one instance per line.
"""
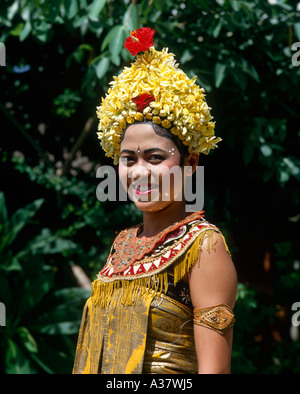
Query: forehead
x=143 y=135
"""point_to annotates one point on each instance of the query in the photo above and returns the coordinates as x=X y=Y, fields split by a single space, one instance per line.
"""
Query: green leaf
x=131 y=18
x=115 y=59
x=41 y=364
x=12 y=10
x=63 y=318
x=27 y=340
x=73 y=295
x=203 y=81
x=17 y=30
x=47 y=244
x=117 y=42
x=297 y=30
x=26 y=31
x=240 y=77
x=248 y=69
x=71 y=8
x=102 y=67
x=41 y=30
x=110 y=35
x=217 y=29
x=3 y=210
x=15 y=360
x=235 y=5
x=292 y=166
x=5 y=292
x=89 y=80
x=220 y=72
x=20 y=218
x=34 y=291
x=266 y=150
x=283 y=176
x=60 y=328
x=95 y=8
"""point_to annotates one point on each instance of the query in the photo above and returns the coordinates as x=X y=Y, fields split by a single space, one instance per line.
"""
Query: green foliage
x=66 y=103
x=39 y=317
x=265 y=339
x=61 y=56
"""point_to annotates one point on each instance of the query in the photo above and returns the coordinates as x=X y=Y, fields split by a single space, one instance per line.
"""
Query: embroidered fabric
x=180 y=292
x=219 y=318
x=140 y=320
x=128 y=248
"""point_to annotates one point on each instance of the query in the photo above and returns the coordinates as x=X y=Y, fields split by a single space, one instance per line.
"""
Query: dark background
x=61 y=55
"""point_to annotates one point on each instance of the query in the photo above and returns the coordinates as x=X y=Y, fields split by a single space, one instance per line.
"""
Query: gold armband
x=219 y=318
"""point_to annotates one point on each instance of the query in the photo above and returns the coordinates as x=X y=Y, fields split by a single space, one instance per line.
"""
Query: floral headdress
x=155 y=89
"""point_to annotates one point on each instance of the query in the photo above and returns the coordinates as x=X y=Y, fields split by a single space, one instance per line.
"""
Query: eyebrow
x=145 y=151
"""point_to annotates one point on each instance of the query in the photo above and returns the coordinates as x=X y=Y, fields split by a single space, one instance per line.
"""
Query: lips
x=142 y=188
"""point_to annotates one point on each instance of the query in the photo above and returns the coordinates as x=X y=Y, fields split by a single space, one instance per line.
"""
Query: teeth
x=144 y=188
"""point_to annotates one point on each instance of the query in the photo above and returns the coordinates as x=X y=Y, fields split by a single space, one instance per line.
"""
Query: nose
x=139 y=170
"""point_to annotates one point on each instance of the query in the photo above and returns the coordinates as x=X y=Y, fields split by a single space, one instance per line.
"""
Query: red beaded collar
x=129 y=248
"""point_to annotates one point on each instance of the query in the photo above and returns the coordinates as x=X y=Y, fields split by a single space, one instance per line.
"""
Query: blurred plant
x=70 y=49
x=66 y=103
x=265 y=340
x=39 y=317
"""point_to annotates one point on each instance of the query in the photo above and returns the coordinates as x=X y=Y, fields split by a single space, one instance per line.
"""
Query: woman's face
x=149 y=169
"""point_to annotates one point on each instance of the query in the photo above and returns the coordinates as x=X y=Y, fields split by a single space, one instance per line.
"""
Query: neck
x=155 y=222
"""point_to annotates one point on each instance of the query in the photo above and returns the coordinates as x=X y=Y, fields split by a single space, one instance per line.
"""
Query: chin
x=149 y=206
x=152 y=206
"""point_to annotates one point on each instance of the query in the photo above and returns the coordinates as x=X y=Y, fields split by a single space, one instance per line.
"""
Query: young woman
x=163 y=303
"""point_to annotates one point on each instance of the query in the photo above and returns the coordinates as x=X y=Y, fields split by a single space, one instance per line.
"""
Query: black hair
x=162 y=132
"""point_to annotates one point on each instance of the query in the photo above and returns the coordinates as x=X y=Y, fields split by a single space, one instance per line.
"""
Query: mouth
x=143 y=189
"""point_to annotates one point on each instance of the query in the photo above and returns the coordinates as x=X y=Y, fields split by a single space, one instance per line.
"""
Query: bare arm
x=213 y=282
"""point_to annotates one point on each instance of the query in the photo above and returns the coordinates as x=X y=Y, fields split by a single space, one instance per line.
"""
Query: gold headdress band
x=155 y=89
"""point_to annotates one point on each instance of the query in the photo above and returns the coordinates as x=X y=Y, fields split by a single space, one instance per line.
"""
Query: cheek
x=123 y=175
x=171 y=166
x=171 y=174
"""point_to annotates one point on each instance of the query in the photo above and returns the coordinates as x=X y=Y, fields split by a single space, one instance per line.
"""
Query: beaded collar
x=129 y=248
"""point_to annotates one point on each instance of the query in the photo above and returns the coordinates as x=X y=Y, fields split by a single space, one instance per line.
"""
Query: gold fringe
x=106 y=293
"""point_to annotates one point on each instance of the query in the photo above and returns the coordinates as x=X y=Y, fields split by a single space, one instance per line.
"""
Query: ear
x=191 y=160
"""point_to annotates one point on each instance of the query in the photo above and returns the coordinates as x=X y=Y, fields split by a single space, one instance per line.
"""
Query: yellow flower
x=178 y=100
x=166 y=124
x=130 y=119
x=156 y=120
x=139 y=117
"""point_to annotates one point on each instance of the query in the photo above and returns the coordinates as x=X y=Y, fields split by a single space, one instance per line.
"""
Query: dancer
x=163 y=303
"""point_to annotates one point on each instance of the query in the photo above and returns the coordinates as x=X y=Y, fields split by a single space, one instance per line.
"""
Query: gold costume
x=139 y=318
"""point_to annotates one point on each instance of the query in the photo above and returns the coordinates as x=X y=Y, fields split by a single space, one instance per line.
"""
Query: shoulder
x=213 y=276
x=209 y=237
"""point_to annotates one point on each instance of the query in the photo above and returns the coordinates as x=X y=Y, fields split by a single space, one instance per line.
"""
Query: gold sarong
x=130 y=325
x=155 y=335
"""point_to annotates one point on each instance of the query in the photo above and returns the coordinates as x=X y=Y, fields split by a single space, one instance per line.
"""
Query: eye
x=156 y=158
x=126 y=160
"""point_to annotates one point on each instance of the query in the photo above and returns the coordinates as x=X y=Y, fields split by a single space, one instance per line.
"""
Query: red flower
x=142 y=101
x=139 y=40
